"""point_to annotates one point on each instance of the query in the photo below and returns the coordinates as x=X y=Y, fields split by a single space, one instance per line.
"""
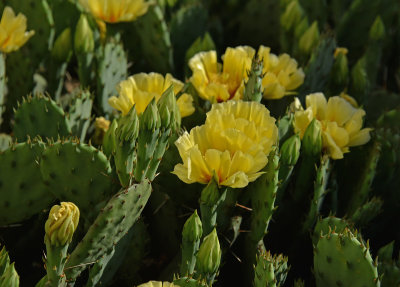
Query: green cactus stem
x=253 y=89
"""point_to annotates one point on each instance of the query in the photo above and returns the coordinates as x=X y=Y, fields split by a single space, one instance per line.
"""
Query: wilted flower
x=233 y=145
x=113 y=11
x=13 y=32
x=281 y=74
x=340 y=120
x=62 y=223
x=141 y=88
x=221 y=82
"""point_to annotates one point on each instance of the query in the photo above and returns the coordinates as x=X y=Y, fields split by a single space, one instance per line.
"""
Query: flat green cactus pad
x=40 y=116
x=22 y=190
x=78 y=173
x=326 y=224
x=340 y=259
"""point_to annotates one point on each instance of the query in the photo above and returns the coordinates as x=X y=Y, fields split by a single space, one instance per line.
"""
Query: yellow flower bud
x=62 y=223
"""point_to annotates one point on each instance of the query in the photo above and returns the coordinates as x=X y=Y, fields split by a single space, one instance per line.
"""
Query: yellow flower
x=233 y=145
x=341 y=122
x=113 y=11
x=157 y=284
x=141 y=88
x=221 y=82
x=281 y=74
x=340 y=50
x=61 y=224
x=13 y=32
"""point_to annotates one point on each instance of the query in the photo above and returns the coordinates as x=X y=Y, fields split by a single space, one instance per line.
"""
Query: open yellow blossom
x=232 y=145
x=281 y=74
x=157 y=284
x=113 y=11
x=221 y=82
x=341 y=123
x=141 y=88
x=13 y=32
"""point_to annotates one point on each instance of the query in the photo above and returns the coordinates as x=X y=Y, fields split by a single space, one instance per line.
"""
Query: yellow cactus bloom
x=281 y=74
x=141 y=88
x=157 y=284
x=221 y=82
x=62 y=223
x=340 y=120
x=13 y=32
x=113 y=11
x=233 y=145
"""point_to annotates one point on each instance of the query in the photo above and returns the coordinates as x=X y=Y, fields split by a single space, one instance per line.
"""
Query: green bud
x=312 y=139
x=62 y=49
x=359 y=77
x=4 y=260
x=301 y=28
x=210 y=194
x=169 y=111
x=83 y=42
x=377 y=31
x=193 y=229
x=253 y=89
x=290 y=150
x=340 y=70
x=150 y=119
x=309 y=39
x=209 y=256
x=61 y=224
x=109 y=142
x=10 y=277
x=128 y=126
x=292 y=15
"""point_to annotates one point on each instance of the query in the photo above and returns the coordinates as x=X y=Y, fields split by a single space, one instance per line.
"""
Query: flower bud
x=193 y=229
x=4 y=260
x=83 y=42
x=210 y=194
x=10 y=277
x=340 y=69
x=292 y=15
x=109 y=138
x=290 y=150
x=359 y=78
x=209 y=256
x=312 y=139
x=150 y=119
x=309 y=39
x=101 y=127
x=62 y=223
x=169 y=111
x=377 y=31
x=62 y=48
x=128 y=126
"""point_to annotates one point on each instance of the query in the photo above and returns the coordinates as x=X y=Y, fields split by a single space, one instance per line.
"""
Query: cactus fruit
x=83 y=172
x=23 y=193
x=342 y=259
x=40 y=116
x=113 y=222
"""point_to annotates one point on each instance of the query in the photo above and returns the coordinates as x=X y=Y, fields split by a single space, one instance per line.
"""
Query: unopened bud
x=109 y=139
x=168 y=109
x=377 y=31
x=62 y=48
x=10 y=277
x=359 y=78
x=292 y=15
x=150 y=119
x=193 y=229
x=128 y=126
x=309 y=39
x=312 y=139
x=61 y=224
x=340 y=70
x=290 y=150
x=209 y=256
x=83 y=41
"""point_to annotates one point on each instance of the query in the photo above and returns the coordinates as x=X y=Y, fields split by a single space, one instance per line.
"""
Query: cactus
x=40 y=116
x=189 y=282
x=155 y=40
x=253 y=90
x=83 y=172
x=327 y=224
x=367 y=212
x=338 y=256
x=19 y=173
x=8 y=275
x=388 y=267
x=79 y=114
x=96 y=272
x=112 y=69
x=115 y=219
x=264 y=271
x=3 y=87
x=5 y=142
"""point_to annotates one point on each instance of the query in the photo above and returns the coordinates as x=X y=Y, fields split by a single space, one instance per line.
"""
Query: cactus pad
x=40 y=116
x=326 y=224
x=22 y=192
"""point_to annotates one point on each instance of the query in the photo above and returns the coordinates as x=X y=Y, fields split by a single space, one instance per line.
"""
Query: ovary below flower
x=341 y=122
x=13 y=32
x=113 y=11
x=221 y=82
x=232 y=145
x=281 y=74
x=141 y=88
